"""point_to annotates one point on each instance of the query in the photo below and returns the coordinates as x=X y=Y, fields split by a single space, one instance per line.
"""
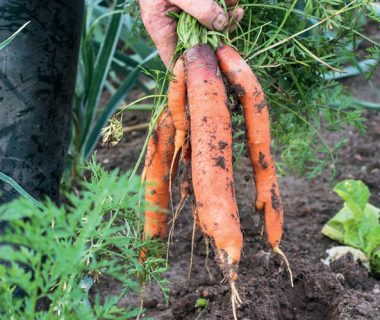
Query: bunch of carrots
x=196 y=130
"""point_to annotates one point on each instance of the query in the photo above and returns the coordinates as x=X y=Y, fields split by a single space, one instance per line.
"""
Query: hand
x=162 y=28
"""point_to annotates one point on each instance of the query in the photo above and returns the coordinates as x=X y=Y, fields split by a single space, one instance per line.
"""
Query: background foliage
x=293 y=46
x=111 y=59
x=51 y=255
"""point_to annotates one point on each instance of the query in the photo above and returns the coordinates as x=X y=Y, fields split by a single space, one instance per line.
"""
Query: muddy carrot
x=257 y=121
x=211 y=159
x=158 y=162
x=256 y=114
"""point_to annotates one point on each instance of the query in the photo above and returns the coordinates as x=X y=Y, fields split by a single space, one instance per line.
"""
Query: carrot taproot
x=158 y=163
x=177 y=105
x=257 y=122
x=177 y=97
x=211 y=159
x=256 y=114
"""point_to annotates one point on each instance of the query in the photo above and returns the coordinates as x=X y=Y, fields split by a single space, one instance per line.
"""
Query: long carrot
x=157 y=168
x=211 y=159
x=256 y=114
x=177 y=106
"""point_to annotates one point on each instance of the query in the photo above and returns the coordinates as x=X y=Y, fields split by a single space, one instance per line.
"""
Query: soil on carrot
x=342 y=291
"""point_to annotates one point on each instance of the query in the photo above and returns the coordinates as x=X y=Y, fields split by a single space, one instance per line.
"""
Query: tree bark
x=37 y=79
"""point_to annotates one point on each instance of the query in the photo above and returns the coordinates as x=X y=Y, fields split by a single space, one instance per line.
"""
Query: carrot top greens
x=292 y=46
x=297 y=48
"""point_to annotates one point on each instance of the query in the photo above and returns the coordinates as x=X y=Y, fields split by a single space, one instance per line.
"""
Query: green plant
x=9 y=180
x=201 y=303
x=110 y=65
x=297 y=49
x=291 y=46
x=53 y=254
x=4 y=43
x=357 y=223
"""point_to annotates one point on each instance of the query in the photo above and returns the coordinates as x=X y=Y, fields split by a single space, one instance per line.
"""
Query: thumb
x=207 y=12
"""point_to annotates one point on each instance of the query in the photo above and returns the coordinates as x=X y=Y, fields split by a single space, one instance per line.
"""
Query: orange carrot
x=150 y=152
x=211 y=158
x=177 y=103
x=256 y=115
x=185 y=183
x=157 y=166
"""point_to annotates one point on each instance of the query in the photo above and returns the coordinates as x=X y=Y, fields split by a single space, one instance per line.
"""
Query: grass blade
x=9 y=40
x=351 y=71
x=20 y=190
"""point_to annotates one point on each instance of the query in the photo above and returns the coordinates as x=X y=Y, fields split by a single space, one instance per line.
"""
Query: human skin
x=162 y=28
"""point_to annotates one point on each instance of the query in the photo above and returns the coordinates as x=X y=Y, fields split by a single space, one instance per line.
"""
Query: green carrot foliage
x=51 y=256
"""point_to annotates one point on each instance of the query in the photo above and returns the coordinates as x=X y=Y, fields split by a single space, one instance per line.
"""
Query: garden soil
x=342 y=291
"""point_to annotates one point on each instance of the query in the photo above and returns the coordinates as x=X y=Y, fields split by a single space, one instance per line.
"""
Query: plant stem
x=140 y=126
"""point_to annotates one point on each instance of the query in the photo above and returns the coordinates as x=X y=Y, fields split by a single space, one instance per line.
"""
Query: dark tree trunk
x=37 y=79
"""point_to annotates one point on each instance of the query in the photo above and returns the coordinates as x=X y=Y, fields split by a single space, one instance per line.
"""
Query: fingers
x=165 y=40
x=207 y=12
x=236 y=15
x=161 y=28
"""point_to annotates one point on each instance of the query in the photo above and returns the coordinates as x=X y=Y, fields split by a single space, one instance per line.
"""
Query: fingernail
x=220 y=22
x=239 y=15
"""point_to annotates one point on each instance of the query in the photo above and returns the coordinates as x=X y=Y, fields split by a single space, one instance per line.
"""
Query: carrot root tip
x=176 y=214
x=282 y=254
x=207 y=244
x=229 y=270
x=226 y=264
x=143 y=175
x=259 y=206
x=175 y=154
x=192 y=250
x=235 y=299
